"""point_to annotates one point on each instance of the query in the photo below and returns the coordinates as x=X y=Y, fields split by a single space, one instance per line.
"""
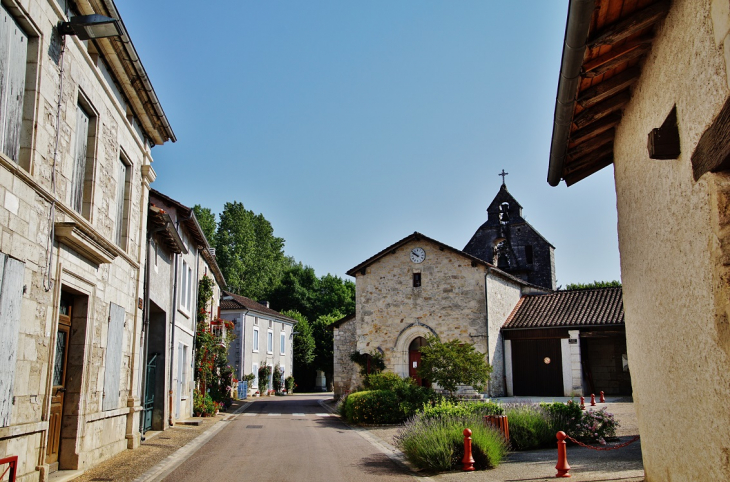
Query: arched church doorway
x=414 y=360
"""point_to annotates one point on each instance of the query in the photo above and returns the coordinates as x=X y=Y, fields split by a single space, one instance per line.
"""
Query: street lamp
x=87 y=27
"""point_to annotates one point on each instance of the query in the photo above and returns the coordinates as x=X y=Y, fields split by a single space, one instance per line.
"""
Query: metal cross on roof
x=503 y=174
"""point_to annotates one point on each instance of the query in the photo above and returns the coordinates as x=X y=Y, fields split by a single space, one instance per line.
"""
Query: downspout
x=580 y=13
x=195 y=319
x=486 y=313
x=243 y=347
x=172 y=336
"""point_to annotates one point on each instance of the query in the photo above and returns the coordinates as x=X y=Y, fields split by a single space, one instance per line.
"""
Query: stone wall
x=502 y=297
x=671 y=243
x=346 y=376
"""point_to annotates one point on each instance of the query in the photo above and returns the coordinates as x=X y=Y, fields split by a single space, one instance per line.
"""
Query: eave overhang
x=604 y=47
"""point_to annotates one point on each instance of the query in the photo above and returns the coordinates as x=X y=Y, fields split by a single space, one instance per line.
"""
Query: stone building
x=419 y=287
x=263 y=336
x=510 y=243
x=78 y=120
x=645 y=86
x=179 y=256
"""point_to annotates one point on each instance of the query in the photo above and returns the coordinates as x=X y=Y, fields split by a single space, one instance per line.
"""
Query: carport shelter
x=562 y=343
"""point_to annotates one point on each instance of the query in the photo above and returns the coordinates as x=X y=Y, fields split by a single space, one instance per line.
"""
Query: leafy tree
x=334 y=295
x=250 y=256
x=296 y=291
x=303 y=340
x=323 y=352
x=594 y=285
x=453 y=363
x=206 y=219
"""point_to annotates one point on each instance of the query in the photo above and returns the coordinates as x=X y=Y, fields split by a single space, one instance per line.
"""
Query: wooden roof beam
x=712 y=153
x=610 y=87
x=579 y=175
x=627 y=52
x=589 y=159
x=637 y=22
x=593 y=144
x=602 y=109
x=592 y=130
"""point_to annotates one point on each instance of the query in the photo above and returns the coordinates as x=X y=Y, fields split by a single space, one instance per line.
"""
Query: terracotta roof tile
x=237 y=302
x=597 y=307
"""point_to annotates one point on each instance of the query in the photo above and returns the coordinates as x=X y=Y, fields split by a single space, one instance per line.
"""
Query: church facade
x=498 y=294
x=419 y=287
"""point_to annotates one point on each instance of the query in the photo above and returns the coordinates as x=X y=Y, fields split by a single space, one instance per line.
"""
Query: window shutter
x=11 y=294
x=121 y=178
x=113 y=361
x=77 y=182
x=13 y=53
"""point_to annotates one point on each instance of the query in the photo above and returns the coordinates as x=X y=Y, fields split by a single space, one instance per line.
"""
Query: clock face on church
x=418 y=255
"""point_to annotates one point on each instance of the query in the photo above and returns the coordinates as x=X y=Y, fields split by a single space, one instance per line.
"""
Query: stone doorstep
x=64 y=475
x=197 y=421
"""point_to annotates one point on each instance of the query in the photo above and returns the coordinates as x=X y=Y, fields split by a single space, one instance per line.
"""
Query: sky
x=351 y=124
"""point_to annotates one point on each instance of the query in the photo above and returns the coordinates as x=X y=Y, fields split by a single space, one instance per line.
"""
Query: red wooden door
x=414 y=362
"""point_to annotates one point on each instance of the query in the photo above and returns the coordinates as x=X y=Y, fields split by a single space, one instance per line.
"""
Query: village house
x=645 y=86
x=78 y=121
x=263 y=336
x=178 y=257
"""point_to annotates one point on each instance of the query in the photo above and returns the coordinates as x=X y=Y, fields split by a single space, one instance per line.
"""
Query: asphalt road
x=288 y=438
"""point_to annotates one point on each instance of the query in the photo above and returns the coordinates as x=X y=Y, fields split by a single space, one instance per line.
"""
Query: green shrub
x=384 y=381
x=437 y=443
x=586 y=426
x=486 y=408
x=461 y=409
x=530 y=427
x=372 y=407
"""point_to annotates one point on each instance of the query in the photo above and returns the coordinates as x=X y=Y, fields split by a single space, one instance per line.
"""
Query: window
x=269 y=341
x=255 y=382
x=255 y=339
x=186 y=286
x=528 y=254
x=282 y=343
x=124 y=170
x=82 y=175
x=13 y=57
x=416 y=280
x=256 y=320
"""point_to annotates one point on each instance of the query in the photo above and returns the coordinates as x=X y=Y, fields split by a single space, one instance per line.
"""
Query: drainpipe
x=195 y=319
x=172 y=334
x=580 y=13
x=486 y=313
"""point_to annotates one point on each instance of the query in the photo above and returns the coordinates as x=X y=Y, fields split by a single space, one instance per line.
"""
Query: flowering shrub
x=595 y=426
x=203 y=405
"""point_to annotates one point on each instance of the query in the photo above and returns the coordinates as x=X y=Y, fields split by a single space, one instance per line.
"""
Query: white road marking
x=298 y=415
x=250 y=414
x=274 y=414
x=323 y=414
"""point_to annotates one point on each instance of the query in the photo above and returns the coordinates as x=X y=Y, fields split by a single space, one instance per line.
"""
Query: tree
x=453 y=363
x=594 y=285
x=250 y=256
x=303 y=339
x=206 y=219
x=334 y=295
x=296 y=291
x=324 y=350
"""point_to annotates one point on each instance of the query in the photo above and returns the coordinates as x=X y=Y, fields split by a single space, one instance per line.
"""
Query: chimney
x=265 y=303
x=211 y=251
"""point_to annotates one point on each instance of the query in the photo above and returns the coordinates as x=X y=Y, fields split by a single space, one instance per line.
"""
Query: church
x=498 y=294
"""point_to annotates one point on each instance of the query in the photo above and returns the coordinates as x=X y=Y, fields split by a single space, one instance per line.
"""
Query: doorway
x=537 y=367
x=68 y=369
x=414 y=361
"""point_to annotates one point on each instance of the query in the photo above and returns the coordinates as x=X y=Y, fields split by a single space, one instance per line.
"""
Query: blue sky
x=351 y=124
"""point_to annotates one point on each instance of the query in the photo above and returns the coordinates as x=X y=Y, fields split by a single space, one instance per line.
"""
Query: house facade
x=263 y=336
x=179 y=256
x=419 y=287
x=76 y=128
x=660 y=116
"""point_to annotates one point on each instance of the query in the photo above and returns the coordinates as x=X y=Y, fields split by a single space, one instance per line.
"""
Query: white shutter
x=11 y=294
x=79 y=172
x=13 y=56
x=113 y=360
x=121 y=178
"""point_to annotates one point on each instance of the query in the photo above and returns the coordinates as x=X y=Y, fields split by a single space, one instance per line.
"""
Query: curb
x=391 y=452
x=174 y=460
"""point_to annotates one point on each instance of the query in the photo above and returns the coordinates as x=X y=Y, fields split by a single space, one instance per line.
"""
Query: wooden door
x=59 y=382
x=537 y=367
x=414 y=362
